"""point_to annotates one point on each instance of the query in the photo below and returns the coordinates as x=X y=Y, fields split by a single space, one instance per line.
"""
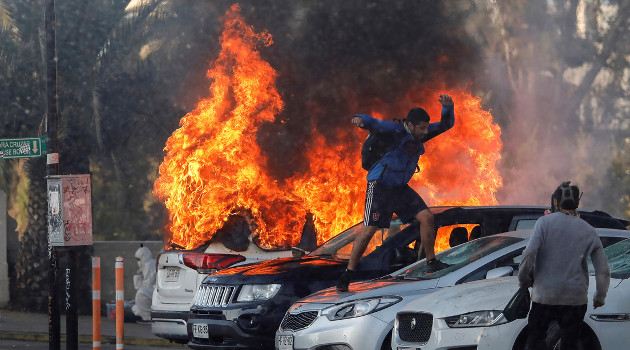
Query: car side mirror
x=500 y=272
x=298 y=252
x=402 y=257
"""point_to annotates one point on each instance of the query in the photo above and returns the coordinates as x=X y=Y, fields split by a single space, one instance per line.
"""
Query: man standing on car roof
x=388 y=191
x=554 y=263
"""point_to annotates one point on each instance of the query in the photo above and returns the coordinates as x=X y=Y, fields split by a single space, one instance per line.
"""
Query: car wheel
x=587 y=339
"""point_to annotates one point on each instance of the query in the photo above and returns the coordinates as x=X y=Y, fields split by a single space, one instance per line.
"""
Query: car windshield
x=618 y=256
x=460 y=256
x=340 y=246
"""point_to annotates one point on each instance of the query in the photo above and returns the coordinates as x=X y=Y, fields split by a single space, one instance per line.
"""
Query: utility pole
x=52 y=168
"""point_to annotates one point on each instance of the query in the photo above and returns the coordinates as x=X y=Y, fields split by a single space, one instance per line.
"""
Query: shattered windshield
x=618 y=256
x=460 y=256
x=340 y=246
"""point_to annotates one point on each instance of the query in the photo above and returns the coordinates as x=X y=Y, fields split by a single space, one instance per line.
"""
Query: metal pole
x=52 y=168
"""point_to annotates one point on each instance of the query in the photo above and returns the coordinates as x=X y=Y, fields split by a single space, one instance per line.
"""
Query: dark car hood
x=280 y=270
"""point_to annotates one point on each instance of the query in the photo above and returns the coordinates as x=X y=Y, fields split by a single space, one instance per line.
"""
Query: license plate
x=285 y=342
x=200 y=330
x=172 y=275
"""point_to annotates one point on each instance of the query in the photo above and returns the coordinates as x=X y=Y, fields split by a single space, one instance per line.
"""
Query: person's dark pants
x=569 y=318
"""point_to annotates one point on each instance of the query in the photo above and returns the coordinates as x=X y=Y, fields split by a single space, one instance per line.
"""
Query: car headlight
x=251 y=292
x=357 y=308
x=476 y=319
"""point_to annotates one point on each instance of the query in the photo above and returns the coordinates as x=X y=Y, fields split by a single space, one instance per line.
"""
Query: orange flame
x=444 y=233
x=214 y=168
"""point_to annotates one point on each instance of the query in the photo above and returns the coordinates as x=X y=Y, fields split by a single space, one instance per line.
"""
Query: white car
x=469 y=316
x=180 y=272
x=329 y=319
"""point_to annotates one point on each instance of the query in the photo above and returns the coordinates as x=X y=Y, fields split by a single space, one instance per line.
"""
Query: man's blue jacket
x=399 y=164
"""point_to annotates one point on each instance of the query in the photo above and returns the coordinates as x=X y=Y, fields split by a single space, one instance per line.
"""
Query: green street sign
x=23 y=148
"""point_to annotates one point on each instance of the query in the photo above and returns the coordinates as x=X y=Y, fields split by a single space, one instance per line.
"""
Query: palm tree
x=92 y=53
x=6 y=21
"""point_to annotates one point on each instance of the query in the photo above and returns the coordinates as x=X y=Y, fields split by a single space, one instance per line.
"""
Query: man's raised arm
x=447 y=118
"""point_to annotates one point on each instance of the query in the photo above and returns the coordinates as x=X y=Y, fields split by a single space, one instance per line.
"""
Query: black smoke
x=335 y=59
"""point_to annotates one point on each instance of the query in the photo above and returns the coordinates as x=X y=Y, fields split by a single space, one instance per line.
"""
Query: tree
x=83 y=47
x=554 y=74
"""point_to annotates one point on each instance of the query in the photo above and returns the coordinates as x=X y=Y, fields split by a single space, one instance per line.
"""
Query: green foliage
x=125 y=79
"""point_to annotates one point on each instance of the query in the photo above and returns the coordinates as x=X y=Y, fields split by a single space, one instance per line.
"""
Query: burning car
x=331 y=319
x=469 y=316
x=242 y=307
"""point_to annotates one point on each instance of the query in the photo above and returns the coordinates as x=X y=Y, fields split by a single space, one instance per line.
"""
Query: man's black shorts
x=382 y=201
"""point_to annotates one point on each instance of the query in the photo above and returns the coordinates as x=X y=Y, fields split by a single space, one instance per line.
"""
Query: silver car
x=363 y=318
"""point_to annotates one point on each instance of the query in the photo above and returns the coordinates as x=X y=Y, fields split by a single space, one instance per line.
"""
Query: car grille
x=213 y=295
x=415 y=327
x=298 y=321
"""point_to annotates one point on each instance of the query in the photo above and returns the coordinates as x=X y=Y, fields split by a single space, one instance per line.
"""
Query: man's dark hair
x=567 y=195
x=417 y=115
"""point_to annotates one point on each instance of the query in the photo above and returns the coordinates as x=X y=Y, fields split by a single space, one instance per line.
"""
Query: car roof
x=519 y=234
x=441 y=208
x=600 y=231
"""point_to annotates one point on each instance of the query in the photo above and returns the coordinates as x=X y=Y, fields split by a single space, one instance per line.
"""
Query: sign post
x=23 y=148
x=52 y=168
x=70 y=225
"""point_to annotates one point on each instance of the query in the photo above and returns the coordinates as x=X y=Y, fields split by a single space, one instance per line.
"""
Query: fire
x=444 y=233
x=459 y=167
x=214 y=168
x=333 y=187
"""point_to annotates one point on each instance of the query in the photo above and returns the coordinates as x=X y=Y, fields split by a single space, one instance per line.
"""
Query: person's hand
x=528 y=283
x=358 y=121
x=445 y=100
x=597 y=304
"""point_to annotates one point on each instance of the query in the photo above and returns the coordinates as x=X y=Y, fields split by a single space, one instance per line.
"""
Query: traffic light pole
x=52 y=168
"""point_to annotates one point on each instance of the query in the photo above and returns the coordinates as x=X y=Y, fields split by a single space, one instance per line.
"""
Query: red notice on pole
x=69 y=210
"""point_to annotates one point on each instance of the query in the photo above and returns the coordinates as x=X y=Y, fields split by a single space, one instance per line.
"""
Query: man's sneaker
x=344 y=280
x=435 y=265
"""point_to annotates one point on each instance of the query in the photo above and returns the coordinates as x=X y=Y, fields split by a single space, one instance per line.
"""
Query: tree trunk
x=30 y=290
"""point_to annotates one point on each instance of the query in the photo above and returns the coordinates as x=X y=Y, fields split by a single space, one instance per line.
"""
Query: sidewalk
x=16 y=325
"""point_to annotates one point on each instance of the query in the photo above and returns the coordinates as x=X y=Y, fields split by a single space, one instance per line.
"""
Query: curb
x=43 y=337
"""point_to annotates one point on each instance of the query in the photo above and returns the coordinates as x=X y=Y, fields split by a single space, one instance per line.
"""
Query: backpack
x=376 y=145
